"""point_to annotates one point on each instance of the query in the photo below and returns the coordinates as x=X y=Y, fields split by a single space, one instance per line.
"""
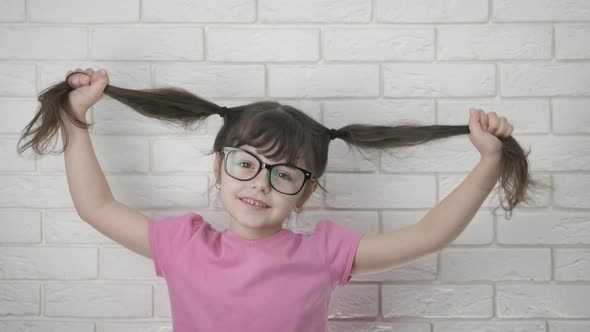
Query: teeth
x=252 y=202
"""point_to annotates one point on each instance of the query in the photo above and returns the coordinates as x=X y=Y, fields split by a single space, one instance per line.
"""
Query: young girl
x=257 y=276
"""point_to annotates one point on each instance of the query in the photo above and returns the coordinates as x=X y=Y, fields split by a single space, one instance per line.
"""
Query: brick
x=45 y=325
x=572 y=264
x=198 y=11
x=98 y=300
x=50 y=191
x=439 y=80
x=18 y=80
x=12 y=11
x=310 y=11
x=147 y=43
x=352 y=326
x=495 y=42
x=381 y=191
x=571 y=116
x=557 y=153
x=426 y=11
x=571 y=191
x=262 y=44
x=210 y=81
x=545 y=79
x=533 y=326
x=546 y=228
x=48 y=263
x=572 y=41
x=531 y=301
x=182 y=155
x=347 y=44
x=20 y=226
x=479 y=231
x=333 y=80
x=12 y=162
x=16 y=114
x=130 y=326
x=568 y=326
x=540 y=10
x=41 y=42
x=437 y=301
x=83 y=11
x=19 y=299
x=354 y=301
x=34 y=191
x=67 y=227
x=495 y=264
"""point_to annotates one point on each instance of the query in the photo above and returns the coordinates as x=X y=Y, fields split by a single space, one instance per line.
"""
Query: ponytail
x=169 y=104
x=515 y=179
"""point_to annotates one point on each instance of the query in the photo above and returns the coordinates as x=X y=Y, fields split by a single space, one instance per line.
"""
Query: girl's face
x=252 y=221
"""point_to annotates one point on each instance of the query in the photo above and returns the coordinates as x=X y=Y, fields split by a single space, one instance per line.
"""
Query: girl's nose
x=261 y=181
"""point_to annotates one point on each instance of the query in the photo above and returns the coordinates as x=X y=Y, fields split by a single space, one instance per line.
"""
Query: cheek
x=229 y=187
x=286 y=205
x=227 y=196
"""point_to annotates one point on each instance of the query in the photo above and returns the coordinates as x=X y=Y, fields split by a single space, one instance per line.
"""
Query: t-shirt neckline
x=237 y=238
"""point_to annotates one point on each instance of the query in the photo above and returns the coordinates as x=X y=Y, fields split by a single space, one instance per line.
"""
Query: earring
x=298 y=211
x=217 y=186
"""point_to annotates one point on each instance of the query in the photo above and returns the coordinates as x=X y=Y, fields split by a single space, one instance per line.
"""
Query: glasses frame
x=227 y=149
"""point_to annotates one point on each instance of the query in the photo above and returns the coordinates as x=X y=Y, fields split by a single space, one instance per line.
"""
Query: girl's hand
x=89 y=87
x=485 y=130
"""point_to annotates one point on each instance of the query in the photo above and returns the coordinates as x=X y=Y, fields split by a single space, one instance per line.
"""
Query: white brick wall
x=372 y=61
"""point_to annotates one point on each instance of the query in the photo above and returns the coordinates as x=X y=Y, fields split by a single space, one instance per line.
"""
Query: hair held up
x=277 y=130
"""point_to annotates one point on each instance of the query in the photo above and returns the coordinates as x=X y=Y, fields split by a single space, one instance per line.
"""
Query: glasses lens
x=287 y=179
x=243 y=166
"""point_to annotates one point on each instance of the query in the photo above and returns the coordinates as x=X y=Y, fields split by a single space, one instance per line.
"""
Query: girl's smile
x=253 y=203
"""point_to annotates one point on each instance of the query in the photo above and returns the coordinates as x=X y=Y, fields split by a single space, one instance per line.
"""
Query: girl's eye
x=284 y=176
x=244 y=164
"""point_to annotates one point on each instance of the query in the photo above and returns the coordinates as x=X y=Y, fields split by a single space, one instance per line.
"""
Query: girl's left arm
x=443 y=224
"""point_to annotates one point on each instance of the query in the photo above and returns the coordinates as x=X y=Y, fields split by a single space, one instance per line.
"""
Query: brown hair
x=280 y=131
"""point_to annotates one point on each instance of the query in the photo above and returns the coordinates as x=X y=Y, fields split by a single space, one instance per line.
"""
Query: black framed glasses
x=243 y=165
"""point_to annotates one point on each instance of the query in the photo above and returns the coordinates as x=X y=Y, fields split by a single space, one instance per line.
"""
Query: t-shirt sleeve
x=167 y=235
x=338 y=245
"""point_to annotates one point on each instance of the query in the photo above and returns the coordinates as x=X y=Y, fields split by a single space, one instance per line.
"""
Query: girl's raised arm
x=88 y=186
x=447 y=220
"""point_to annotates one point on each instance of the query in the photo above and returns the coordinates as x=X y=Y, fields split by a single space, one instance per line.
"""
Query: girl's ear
x=307 y=193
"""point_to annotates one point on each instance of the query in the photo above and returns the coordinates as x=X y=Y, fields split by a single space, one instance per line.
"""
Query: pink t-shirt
x=219 y=281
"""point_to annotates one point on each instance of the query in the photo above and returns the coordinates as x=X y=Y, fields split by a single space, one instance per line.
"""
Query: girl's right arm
x=88 y=187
